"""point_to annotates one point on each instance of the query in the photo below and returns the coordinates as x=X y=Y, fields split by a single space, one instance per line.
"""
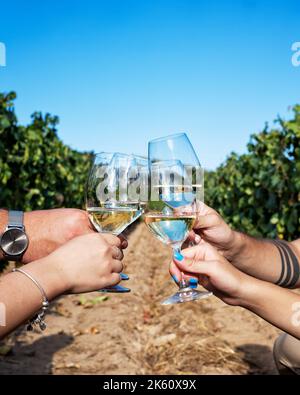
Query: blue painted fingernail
x=193 y=283
x=175 y=278
x=178 y=256
x=124 y=276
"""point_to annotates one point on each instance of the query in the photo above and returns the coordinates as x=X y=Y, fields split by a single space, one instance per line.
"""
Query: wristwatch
x=14 y=241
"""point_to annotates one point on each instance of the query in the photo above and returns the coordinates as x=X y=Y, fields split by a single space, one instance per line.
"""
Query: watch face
x=14 y=242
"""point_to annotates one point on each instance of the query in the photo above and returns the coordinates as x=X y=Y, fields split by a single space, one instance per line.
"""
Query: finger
x=124 y=242
x=197 y=267
x=111 y=239
x=194 y=237
x=207 y=221
x=204 y=209
x=115 y=279
x=192 y=281
x=203 y=251
x=191 y=240
x=177 y=275
x=117 y=266
x=117 y=253
x=175 y=272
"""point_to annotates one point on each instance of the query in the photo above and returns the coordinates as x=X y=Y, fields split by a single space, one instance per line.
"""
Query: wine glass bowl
x=112 y=199
x=176 y=181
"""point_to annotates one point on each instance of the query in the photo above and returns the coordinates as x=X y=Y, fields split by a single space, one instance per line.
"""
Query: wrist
x=236 y=246
x=250 y=294
x=46 y=272
x=40 y=243
x=29 y=255
x=3 y=224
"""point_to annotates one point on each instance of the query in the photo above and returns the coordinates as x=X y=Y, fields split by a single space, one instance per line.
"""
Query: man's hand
x=49 y=229
x=211 y=227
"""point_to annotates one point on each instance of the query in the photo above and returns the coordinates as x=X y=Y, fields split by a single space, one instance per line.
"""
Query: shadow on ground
x=35 y=358
x=259 y=358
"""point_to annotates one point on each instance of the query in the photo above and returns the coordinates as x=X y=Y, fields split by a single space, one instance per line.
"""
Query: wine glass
x=112 y=196
x=176 y=180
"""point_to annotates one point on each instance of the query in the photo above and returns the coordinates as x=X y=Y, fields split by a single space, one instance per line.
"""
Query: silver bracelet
x=38 y=318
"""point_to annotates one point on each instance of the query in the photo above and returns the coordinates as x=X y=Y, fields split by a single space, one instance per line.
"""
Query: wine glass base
x=186 y=295
x=117 y=289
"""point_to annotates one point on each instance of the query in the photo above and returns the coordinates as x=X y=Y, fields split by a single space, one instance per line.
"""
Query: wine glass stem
x=182 y=283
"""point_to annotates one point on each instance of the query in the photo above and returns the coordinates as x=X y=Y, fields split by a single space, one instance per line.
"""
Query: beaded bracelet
x=38 y=318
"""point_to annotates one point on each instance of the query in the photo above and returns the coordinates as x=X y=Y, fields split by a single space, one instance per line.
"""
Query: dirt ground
x=134 y=334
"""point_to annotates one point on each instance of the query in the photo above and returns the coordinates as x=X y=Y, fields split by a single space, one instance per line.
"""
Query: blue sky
x=118 y=73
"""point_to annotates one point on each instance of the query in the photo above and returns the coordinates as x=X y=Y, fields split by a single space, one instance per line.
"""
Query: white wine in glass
x=108 y=204
x=171 y=210
x=113 y=219
x=170 y=229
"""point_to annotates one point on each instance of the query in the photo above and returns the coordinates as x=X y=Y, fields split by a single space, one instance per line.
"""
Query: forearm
x=269 y=260
x=20 y=298
x=279 y=306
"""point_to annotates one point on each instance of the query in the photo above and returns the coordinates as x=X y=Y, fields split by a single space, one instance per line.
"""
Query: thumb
x=193 y=266
x=207 y=221
x=203 y=252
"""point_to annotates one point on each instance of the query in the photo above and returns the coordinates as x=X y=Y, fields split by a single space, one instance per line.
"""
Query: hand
x=49 y=229
x=211 y=227
x=213 y=271
x=84 y=264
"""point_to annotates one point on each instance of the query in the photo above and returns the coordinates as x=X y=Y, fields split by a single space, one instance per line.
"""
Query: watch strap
x=15 y=219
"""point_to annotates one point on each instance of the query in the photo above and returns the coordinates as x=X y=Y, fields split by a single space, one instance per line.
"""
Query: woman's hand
x=213 y=271
x=84 y=264
x=211 y=227
x=276 y=305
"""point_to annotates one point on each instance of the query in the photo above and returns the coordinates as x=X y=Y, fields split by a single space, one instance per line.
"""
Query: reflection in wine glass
x=113 y=195
x=176 y=188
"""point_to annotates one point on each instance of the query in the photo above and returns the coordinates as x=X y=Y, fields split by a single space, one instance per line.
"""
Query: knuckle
x=107 y=250
x=109 y=265
x=120 y=255
x=74 y=222
x=118 y=241
x=115 y=278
